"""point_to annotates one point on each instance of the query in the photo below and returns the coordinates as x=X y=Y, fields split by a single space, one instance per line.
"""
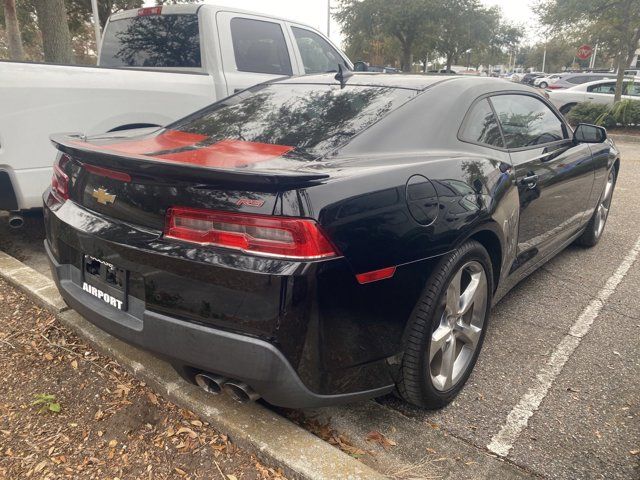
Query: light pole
x=96 y=24
x=544 y=57
x=328 y=18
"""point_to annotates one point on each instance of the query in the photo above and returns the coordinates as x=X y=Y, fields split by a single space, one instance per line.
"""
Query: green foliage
x=623 y=114
x=408 y=29
x=46 y=402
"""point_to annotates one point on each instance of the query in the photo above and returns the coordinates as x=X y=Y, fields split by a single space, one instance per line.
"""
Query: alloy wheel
x=605 y=204
x=456 y=337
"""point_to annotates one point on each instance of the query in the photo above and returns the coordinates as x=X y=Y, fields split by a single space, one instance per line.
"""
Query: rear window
x=312 y=119
x=171 y=41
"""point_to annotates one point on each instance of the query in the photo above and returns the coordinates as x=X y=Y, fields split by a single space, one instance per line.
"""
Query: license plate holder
x=105 y=281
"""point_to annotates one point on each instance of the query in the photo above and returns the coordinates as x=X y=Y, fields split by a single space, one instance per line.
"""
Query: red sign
x=584 y=52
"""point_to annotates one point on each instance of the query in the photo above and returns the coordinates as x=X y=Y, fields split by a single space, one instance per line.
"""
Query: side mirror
x=360 y=66
x=585 y=133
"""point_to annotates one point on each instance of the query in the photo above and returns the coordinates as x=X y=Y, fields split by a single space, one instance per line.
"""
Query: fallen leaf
x=634 y=452
x=48 y=357
x=232 y=477
x=113 y=443
x=74 y=364
x=380 y=439
x=152 y=398
x=180 y=472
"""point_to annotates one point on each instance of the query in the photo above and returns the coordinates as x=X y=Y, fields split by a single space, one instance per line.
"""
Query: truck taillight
x=285 y=237
x=60 y=180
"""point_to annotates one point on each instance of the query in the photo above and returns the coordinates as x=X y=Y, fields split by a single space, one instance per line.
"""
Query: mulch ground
x=66 y=411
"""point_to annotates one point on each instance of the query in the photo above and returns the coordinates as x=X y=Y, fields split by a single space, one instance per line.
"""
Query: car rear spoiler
x=76 y=146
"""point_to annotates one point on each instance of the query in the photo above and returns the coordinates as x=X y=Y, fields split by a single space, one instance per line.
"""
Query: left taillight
x=60 y=180
x=284 y=237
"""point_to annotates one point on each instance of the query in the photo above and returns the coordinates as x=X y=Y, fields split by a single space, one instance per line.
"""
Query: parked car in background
x=311 y=242
x=601 y=91
x=156 y=65
x=528 y=78
x=568 y=80
x=545 y=81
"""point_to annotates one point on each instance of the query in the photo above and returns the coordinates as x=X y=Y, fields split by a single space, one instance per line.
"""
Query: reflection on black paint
x=314 y=119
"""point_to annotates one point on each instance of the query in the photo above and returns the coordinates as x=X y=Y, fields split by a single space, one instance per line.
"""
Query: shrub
x=625 y=113
x=586 y=112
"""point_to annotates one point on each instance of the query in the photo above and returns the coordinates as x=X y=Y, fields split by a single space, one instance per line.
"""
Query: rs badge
x=102 y=196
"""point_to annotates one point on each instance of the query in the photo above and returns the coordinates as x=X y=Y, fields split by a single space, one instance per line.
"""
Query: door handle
x=530 y=181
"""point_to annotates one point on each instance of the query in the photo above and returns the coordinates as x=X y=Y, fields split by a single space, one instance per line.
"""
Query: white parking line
x=517 y=420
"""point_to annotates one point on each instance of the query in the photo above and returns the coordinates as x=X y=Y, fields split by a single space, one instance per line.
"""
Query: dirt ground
x=93 y=419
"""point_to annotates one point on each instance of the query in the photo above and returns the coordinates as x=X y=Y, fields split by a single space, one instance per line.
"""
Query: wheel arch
x=489 y=237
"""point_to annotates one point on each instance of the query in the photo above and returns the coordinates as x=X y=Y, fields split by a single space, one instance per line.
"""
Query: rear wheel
x=543 y=84
x=565 y=109
x=445 y=334
x=595 y=227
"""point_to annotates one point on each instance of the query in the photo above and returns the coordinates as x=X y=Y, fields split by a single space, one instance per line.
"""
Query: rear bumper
x=256 y=362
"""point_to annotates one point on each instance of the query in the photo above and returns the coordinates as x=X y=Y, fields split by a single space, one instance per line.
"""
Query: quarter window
x=481 y=125
x=632 y=89
x=260 y=47
x=526 y=121
x=318 y=56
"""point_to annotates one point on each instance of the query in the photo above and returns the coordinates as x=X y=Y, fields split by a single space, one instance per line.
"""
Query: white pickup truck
x=156 y=65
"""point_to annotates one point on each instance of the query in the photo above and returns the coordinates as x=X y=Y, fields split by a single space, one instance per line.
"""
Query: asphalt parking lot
x=556 y=391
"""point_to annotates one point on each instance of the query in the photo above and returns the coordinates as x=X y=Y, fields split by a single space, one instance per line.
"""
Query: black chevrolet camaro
x=318 y=240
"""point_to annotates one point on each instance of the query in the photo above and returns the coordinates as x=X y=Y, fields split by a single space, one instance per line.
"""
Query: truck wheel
x=595 y=227
x=445 y=333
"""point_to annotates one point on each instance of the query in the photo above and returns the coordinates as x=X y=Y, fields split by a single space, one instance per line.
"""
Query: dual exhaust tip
x=216 y=384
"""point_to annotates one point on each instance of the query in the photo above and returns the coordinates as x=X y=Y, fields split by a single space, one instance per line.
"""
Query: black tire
x=415 y=384
x=592 y=233
x=543 y=84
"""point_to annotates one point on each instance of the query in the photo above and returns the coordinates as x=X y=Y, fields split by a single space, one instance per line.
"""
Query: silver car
x=569 y=80
x=601 y=91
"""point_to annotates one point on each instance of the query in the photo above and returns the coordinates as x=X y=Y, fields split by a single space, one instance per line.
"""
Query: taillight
x=286 y=237
x=554 y=87
x=60 y=180
x=145 y=12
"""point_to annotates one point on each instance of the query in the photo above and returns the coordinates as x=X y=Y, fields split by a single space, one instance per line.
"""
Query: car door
x=315 y=53
x=254 y=49
x=554 y=175
x=601 y=93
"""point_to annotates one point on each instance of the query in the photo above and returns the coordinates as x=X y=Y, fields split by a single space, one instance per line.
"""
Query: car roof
x=416 y=82
x=627 y=78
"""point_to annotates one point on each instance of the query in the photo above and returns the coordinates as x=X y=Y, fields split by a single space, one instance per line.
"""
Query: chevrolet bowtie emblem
x=102 y=196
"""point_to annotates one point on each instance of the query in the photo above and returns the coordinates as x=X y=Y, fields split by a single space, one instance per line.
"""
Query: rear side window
x=311 y=119
x=481 y=125
x=260 y=47
x=609 y=87
x=171 y=41
x=526 y=121
x=318 y=56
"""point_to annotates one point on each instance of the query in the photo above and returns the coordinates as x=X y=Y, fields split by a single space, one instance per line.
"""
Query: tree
x=405 y=21
x=56 y=39
x=468 y=26
x=615 y=22
x=14 y=39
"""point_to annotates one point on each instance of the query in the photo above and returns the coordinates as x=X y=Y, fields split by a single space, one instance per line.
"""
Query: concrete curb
x=623 y=137
x=270 y=437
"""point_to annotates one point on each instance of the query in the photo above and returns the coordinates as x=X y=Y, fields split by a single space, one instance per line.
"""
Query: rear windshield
x=312 y=119
x=171 y=41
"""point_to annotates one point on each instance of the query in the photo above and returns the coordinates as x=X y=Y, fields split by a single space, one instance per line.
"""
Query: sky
x=314 y=12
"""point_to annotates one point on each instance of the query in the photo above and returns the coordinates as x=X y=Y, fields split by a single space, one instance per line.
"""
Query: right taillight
x=60 y=180
x=285 y=237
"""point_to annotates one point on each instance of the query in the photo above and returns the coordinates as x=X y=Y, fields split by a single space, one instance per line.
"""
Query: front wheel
x=592 y=233
x=446 y=331
x=543 y=84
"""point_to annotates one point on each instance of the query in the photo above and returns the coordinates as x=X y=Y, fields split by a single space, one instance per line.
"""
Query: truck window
x=171 y=41
x=318 y=56
x=259 y=47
